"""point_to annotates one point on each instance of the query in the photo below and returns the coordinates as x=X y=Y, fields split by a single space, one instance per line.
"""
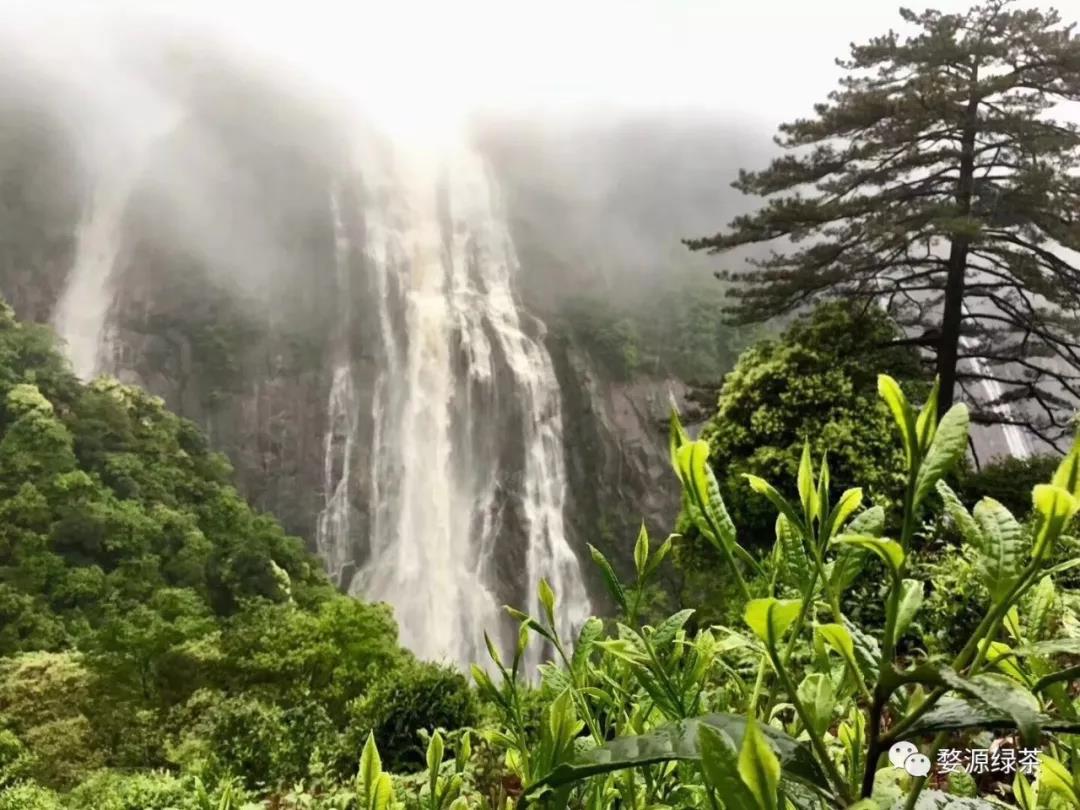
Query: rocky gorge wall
x=223 y=293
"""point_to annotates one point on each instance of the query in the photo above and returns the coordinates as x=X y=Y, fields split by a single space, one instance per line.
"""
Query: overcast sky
x=414 y=64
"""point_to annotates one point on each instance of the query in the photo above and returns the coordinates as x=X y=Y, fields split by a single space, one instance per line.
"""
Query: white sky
x=418 y=63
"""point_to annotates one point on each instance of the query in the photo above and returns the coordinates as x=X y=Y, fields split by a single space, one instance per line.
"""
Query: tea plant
x=799 y=707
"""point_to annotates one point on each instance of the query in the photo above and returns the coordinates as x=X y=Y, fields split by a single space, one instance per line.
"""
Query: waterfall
x=332 y=536
x=466 y=416
x=83 y=307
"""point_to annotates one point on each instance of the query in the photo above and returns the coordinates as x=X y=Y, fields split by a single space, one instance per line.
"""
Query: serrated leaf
x=948 y=447
x=818 y=697
x=889 y=390
x=1001 y=555
x=763 y=487
x=821 y=508
x=590 y=633
x=1040 y=605
x=839 y=639
x=1055 y=777
x=547 y=599
x=870 y=522
x=720 y=762
x=677 y=437
x=383 y=792
x=956 y=714
x=849 y=501
x=370 y=765
x=759 y=766
x=1067 y=475
x=1004 y=695
x=704 y=492
x=680 y=741
x=611 y=582
x=770 y=618
x=1026 y=798
x=794 y=564
x=926 y=424
x=665 y=632
x=660 y=554
x=805 y=481
x=960 y=516
x=435 y=752
x=1054 y=507
x=641 y=551
x=911 y=598
x=937 y=800
x=889 y=551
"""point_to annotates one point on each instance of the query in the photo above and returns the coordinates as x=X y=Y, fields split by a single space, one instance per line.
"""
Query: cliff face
x=224 y=292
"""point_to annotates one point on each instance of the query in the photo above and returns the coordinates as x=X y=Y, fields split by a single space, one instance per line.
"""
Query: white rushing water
x=83 y=308
x=333 y=537
x=457 y=362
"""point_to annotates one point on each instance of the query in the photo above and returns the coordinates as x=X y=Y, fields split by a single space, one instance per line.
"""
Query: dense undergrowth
x=163 y=646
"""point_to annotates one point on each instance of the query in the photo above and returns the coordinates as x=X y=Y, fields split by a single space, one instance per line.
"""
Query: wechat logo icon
x=905 y=755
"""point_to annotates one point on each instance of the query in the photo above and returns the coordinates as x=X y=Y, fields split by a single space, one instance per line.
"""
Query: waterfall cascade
x=466 y=418
x=82 y=310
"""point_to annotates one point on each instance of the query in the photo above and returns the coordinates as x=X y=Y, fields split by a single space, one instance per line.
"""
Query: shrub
x=421 y=696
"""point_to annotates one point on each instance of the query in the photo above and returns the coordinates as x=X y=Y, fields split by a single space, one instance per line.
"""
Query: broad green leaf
x=870 y=521
x=1001 y=555
x=911 y=598
x=889 y=390
x=867 y=650
x=759 y=766
x=586 y=640
x=1039 y=606
x=720 y=762
x=1054 y=507
x=960 y=516
x=704 y=491
x=1053 y=646
x=607 y=573
x=888 y=550
x=822 y=499
x=794 y=564
x=677 y=437
x=680 y=741
x=1067 y=475
x=948 y=447
x=1003 y=694
x=1055 y=777
x=769 y=618
x=660 y=554
x=1024 y=793
x=547 y=599
x=847 y=566
x=838 y=638
x=370 y=765
x=665 y=632
x=845 y=508
x=818 y=697
x=926 y=424
x=383 y=792
x=937 y=800
x=435 y=751
x=641 y=550
x=805 y=480
x=763 y=487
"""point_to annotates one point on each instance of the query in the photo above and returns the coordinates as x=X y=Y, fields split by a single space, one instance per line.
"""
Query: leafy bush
x=420 y=697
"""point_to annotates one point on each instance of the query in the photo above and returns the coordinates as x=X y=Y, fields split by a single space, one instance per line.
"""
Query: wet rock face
x=236 y=332
x=617 y=454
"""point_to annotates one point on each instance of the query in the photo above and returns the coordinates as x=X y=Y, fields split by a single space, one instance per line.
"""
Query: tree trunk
x=953 y=315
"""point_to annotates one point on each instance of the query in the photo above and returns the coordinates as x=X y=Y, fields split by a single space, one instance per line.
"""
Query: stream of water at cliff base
x=460 y=363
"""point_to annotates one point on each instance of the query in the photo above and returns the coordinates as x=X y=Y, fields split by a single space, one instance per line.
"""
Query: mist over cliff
x=422 y=356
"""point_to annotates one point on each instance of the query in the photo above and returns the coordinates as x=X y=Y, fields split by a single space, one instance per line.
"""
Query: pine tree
x=936 y=179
